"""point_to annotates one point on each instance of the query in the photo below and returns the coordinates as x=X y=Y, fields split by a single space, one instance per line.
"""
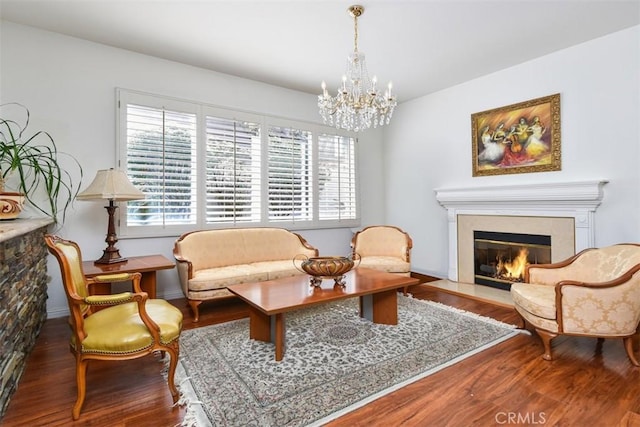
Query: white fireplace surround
x=576 y=200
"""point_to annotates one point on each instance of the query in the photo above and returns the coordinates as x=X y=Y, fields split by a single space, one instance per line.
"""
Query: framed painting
x=518 y=138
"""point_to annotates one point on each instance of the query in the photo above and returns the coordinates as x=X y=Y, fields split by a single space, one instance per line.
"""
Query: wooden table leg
x=268 y=329
x=381 y=307
x=100 y=289
x=278 y=324
x=259 y=325
x=148 y=283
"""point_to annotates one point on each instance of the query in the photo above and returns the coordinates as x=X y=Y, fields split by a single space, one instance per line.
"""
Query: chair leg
x=546 y=340
x=81 y=383
x=522 y=324
x=173 y=351
x=628 y=345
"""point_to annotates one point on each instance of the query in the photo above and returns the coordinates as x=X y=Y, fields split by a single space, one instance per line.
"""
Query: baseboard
x=54 y=313
x=424 y=278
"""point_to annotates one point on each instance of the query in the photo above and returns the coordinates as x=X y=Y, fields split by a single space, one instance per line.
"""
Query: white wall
x=69 y=86
x=428 y=145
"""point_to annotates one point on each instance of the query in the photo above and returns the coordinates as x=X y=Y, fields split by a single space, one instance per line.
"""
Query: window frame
x=202 y=110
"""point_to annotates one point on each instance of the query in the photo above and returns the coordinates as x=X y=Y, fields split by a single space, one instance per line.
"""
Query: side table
x=147 y=265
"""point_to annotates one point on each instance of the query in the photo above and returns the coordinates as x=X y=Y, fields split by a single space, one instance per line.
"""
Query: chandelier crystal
x=357 y=105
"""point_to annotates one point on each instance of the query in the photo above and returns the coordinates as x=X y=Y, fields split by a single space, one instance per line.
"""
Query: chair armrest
x=545 y=274
x=135 y=278
x=184 y=267
x=582 y=306
x=109 y=299
x=111 y=278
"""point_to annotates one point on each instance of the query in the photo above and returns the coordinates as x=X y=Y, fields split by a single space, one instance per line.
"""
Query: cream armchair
x=383 y=247
x=595 y=293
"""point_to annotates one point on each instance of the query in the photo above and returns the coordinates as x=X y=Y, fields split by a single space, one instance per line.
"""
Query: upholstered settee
x=210 y=260
x=595 y=293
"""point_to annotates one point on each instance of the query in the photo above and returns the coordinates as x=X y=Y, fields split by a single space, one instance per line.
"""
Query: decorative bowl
x=326 y=267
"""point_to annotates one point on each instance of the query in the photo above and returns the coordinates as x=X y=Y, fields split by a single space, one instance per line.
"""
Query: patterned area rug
x=334 y=362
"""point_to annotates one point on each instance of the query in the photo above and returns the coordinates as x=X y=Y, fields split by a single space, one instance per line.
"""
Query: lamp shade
x=111 y=184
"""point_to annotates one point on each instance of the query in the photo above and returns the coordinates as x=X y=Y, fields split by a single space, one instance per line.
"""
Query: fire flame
x=515 y=268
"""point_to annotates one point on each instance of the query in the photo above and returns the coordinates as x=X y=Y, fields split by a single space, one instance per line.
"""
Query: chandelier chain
x=355 y=36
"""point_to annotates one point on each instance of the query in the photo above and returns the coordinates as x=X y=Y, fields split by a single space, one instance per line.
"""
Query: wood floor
x=508 y=384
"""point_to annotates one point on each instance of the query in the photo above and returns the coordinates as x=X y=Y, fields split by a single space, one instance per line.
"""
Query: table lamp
x=114 y=186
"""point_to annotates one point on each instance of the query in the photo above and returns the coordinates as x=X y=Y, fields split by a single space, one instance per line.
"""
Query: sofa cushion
x=539 y=300
x=538 y=322
x=277 y=269
x=221 y=277
x=385 y=263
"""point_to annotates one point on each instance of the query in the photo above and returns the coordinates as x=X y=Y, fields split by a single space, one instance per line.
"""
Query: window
x=289 y=170
x=336 y=177
x=205 y=167
x=233 y=177
x=160 y=162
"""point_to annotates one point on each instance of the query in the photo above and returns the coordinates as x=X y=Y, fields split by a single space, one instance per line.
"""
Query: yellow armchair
x=113 y=327
x=595 y=293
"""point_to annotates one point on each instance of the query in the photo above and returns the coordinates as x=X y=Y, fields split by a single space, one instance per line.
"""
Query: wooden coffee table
x=269 y=300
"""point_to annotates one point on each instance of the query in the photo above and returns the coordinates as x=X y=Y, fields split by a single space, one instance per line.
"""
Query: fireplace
x=563 y=211
x=500 y=258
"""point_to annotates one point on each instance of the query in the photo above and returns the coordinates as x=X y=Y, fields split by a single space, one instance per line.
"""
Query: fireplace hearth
x=500 y=258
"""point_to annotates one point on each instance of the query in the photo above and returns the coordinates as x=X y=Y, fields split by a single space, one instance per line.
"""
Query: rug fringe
x=194 y=414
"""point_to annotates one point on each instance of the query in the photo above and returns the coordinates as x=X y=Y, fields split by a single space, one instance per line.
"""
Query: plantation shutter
x=161 y=162
x=289 y=174
x=233 y=177
x=336 y=177
x=206 y=167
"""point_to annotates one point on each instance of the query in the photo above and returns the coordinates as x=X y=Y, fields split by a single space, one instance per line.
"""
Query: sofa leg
x=194 y=308
x=546 y=340
x=628 y=345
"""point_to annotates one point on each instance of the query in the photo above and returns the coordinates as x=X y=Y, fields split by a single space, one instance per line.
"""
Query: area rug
x=334 y=362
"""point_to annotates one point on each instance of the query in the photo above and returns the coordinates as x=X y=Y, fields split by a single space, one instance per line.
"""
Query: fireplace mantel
x=577 y=200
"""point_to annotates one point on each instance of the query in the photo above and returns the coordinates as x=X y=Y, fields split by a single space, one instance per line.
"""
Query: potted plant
x=31 y=166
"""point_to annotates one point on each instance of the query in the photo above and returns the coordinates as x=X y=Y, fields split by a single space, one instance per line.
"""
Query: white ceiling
x=422 y=46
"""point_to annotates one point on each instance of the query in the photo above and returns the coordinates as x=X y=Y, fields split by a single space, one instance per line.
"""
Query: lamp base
x=110 y=258
x=111 y=255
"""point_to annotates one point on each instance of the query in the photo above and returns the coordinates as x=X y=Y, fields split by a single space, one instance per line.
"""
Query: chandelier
x=357 y=105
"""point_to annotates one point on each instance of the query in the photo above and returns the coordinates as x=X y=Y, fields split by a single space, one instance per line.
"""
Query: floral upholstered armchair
x=595 y=293
x=383 y=247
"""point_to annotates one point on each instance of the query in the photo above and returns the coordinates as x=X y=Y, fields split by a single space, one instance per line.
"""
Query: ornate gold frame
x=512 y=153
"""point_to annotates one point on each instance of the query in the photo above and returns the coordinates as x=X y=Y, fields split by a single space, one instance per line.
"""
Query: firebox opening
x=500 y=258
